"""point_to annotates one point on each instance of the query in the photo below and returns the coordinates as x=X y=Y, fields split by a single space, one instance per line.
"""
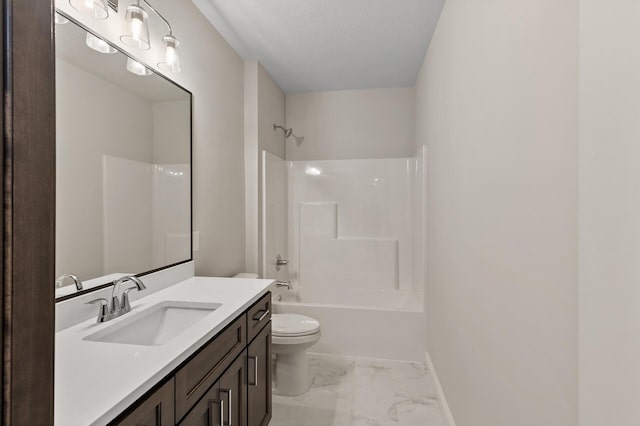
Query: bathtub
x=386 y=324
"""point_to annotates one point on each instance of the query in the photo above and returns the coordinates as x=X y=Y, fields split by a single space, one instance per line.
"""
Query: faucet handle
x=280 y=262
x=103 y=314
x=102 y=301
x=124 y=303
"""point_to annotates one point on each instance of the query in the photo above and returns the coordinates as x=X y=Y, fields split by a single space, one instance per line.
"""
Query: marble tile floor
x=358 y=391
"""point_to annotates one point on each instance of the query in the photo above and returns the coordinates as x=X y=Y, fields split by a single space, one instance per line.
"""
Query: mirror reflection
x=123 y=160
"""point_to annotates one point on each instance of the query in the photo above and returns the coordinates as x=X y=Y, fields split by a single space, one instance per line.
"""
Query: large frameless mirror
x=123 y=165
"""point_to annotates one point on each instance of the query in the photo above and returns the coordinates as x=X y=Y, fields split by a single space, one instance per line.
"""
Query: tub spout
x=286 y=284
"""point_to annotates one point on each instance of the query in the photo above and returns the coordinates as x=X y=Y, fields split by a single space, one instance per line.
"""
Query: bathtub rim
x=344 y=306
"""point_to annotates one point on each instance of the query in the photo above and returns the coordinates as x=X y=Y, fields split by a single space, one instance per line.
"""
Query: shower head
x=287 y=132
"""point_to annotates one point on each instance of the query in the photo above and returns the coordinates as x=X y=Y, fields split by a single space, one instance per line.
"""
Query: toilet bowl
x=292 y=335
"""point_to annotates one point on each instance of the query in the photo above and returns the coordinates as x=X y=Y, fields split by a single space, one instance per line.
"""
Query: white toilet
x=292 y=335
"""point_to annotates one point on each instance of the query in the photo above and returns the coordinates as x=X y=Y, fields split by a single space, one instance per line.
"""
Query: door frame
x=28 y=226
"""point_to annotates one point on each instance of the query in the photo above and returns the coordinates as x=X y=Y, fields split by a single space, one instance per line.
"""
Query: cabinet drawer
x=258 y=316
x=196 y=377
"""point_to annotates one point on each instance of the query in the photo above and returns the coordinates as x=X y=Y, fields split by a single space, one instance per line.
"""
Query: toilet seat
x=293 y=342
x=293 y=325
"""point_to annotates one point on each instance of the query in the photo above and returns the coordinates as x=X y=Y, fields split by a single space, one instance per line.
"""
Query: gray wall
x=497 y=109
x=351 y=124
x=609 y=213
x=83 y=136
x=170 y=128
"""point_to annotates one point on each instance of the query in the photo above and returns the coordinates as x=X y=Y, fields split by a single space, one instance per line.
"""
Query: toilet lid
x=293 y=325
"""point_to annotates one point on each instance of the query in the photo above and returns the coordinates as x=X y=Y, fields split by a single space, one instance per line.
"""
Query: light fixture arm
x=153 y=9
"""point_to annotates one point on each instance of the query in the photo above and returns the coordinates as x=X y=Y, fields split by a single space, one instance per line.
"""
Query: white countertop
x=96 y=381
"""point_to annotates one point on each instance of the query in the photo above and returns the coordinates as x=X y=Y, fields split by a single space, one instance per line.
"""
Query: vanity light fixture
x=137 y=25
x=137 y=36
x=98 y=44
x=137 y=68
x=97 y=9
x=171 y=60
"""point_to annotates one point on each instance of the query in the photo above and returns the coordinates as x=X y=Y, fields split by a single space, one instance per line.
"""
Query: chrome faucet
x=286 y=284
x=74 y=278
x=123 y=305
x=119 y=306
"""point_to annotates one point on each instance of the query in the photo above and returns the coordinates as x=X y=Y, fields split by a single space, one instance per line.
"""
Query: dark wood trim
x=29 y=212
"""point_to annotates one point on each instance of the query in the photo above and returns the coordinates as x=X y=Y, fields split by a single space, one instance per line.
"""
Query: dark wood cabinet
x=225 y=383
x=225 y=403
x=258 y=316
x=202 y=370
x=155 y=410
x=233 y=391
x=259 y=369
x=208 y=411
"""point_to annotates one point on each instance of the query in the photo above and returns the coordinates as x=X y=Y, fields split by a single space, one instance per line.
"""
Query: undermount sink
x=155 y=325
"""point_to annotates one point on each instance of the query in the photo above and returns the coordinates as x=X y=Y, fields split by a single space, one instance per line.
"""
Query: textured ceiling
x=314 y=45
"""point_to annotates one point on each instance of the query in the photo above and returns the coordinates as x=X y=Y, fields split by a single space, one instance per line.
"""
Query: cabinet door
x=233 y=391
x=155 y=410
x=259 y=381
x=209 y=411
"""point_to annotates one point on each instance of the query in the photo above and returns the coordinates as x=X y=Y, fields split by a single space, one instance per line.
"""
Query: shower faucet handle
x=280 y=262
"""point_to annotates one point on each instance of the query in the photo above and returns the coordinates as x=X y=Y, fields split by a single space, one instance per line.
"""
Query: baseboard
x=442 y=400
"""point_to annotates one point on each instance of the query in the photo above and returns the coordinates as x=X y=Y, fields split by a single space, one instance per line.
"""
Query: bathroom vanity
x=202 y=392
x=211 y=367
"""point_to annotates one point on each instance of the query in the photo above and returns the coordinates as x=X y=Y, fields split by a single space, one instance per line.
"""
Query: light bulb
x=171 y=60
x=137 y=34
x=98 y=44
x=137 y=68
x=136 y=28
x=97 y=9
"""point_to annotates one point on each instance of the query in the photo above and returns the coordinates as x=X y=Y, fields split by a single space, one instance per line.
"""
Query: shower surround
x=353 y=231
